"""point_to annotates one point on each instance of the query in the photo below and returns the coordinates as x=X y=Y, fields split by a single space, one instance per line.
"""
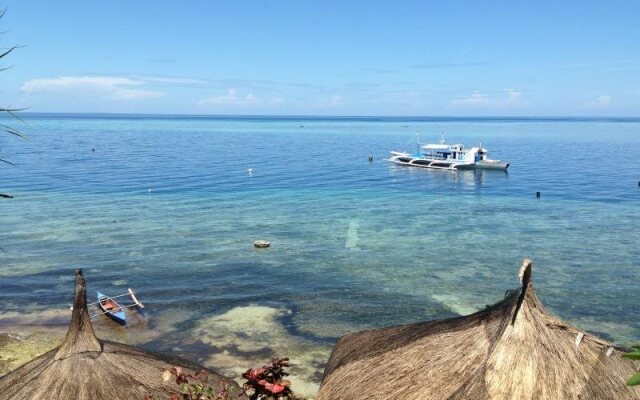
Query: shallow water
x=166 y=205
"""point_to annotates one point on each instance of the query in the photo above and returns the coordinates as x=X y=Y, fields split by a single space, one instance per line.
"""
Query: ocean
x=166 y=205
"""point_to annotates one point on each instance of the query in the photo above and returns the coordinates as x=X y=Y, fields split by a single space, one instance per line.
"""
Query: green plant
x=634 y=355
x=192 y=386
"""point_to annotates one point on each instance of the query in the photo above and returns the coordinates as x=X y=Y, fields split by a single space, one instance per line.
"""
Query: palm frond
x=12 y=112
x=8 y=51
x=9 y=109
x=14 y=131
x=8 y=162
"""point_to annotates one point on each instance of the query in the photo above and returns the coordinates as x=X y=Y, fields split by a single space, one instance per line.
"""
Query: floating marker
x=538 y=195
x=261 y=244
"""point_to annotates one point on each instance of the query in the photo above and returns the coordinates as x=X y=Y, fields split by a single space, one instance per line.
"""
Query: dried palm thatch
x=511 y=350
x=84 y=367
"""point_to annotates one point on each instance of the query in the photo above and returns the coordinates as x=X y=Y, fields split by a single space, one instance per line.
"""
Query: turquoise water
x=166 y=205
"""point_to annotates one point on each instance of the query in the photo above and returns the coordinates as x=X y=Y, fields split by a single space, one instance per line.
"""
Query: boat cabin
x=454 y=152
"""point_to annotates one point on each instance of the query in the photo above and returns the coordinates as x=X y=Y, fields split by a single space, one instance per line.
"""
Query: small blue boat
x=112 y=309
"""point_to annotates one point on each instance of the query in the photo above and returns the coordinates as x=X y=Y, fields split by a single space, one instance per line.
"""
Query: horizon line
x=186 y=115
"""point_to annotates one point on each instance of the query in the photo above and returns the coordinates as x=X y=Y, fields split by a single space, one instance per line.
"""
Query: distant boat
x=449 y=157
x=112 y=309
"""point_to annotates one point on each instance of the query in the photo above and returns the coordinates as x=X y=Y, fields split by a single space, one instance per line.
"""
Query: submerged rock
x=261 y=244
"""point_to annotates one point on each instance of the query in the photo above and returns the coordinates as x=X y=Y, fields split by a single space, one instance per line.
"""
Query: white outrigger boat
x=448 y=157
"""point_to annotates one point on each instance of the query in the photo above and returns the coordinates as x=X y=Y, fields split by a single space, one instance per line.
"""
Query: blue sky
x=475 y=58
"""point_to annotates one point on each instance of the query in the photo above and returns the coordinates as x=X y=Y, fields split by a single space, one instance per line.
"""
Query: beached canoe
x=112 y=309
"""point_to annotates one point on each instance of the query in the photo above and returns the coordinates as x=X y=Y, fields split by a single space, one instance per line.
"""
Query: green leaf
x=197 y=388
x=635 y=380
x=634 y=355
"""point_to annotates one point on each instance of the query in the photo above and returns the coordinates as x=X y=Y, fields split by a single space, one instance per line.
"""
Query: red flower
x=277 y=388
x=253 y=374
x=267 y=382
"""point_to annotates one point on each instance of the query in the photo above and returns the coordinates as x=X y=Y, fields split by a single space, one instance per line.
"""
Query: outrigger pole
x=136 y=303
x=130 y=293
x=135 y=299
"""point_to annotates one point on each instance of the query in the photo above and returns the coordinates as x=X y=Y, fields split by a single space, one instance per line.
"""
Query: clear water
x=166 y=205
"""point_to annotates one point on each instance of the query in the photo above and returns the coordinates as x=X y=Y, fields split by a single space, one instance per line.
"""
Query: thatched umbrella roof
x=84 y=367
x=511 y=350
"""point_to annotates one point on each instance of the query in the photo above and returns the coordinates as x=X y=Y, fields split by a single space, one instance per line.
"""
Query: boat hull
x=492 y=165
x=421 y=162
x=116 y=315
x=496 y=166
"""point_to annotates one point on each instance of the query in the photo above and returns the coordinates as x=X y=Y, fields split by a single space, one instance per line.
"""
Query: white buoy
x=250 y=171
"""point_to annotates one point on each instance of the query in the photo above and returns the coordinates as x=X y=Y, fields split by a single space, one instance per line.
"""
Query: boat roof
x=436 y=147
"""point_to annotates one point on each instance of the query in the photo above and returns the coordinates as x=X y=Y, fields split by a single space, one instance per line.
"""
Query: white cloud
x=320 y=102
x=74 y=82
x=174 y=81
x=233 y=99
x=480 y=100
x=600 y=103
x=337 y=101
x=513 y=96
x=332 y=101
x=133 y=94
x=230 y=98
x=116 y=88
x=475 y=99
